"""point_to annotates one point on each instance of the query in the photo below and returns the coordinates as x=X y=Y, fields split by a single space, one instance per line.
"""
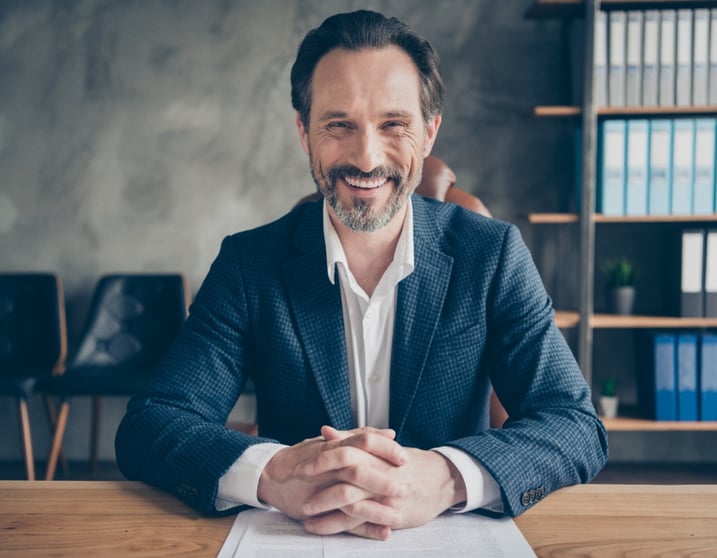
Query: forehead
x=372 y=79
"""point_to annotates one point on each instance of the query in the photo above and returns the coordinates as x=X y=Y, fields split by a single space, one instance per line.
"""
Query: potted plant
x=620 y=279
x=608 y=399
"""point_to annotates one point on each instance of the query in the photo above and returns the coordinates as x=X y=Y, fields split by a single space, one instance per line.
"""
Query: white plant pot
x=608 y=406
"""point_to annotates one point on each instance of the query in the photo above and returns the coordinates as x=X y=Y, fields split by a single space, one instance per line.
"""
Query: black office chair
x=132 y=321
x=33 y=342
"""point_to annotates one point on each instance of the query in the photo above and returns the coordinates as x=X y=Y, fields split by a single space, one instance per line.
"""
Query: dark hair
x=365 y=29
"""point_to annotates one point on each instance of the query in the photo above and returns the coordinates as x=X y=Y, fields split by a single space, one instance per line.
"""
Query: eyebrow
x=333 y=114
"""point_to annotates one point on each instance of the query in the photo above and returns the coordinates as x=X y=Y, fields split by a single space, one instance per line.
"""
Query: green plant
x=619 y=273
x=609 y=388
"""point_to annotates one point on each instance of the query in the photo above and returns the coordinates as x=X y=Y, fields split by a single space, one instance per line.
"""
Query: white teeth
x=365 y=184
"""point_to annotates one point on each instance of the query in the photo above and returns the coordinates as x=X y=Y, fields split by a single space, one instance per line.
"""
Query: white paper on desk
x=270 y=534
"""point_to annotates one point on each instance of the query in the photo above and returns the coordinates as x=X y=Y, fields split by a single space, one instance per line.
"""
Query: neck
x=369 y=254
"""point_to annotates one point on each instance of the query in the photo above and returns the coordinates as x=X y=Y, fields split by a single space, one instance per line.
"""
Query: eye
x=337 y=124
x=394 y=124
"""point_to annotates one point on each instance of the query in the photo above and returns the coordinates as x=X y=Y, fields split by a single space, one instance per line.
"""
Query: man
x=372 y=324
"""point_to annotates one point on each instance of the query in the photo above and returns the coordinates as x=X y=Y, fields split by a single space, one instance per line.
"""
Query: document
x=270 y=534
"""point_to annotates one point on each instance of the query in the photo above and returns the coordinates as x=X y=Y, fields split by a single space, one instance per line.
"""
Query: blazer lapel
x=419 y=303
x=317 y=310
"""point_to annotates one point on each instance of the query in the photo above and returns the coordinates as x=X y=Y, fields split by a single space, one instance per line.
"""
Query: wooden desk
x=95 y=519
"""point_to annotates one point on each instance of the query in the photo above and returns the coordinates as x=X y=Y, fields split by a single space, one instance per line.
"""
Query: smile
x=365 y=183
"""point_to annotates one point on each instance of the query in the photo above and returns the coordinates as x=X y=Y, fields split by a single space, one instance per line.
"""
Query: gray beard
x=360 y=216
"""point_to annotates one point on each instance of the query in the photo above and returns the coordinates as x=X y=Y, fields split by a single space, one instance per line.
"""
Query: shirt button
x=374 y=379
x=369 y=313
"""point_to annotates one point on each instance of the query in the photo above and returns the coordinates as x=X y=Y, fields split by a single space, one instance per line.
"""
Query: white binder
x=712 y=70
x=711 y=274
x=616 y=58
x=650 y=58
x=633 y=67
x=683 y=71
x=691 y=290
x=700 y=55
x=600 y=60
x=666 y=92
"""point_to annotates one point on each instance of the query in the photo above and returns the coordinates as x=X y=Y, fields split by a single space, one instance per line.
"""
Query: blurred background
x=135 y=135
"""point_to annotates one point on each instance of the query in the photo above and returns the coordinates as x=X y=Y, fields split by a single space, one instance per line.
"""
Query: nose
x=368 y=150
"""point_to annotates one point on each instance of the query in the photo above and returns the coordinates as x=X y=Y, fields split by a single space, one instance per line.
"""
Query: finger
x=339 y=521
x=355 y=483
x=343 y=453
x=372 y=511
x=331 y=433
x=331 y=523
x=332 y=498
x=371 y=531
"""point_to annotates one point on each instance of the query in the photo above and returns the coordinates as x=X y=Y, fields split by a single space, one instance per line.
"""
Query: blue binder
x=703 y=202
x=611 y=192
x=683 y=143
x=708 y=377
x=659 y=191
x=636 y=167
x=687 y=377
x=658 y=376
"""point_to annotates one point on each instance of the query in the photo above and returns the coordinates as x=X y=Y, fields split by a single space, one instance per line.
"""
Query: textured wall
x=135 y=134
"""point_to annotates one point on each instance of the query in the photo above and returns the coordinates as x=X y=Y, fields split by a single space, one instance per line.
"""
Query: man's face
x=366 y=137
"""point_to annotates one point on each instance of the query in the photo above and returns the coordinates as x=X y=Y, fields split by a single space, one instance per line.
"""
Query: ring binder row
x=678 y=377
x=656 y=58
x=657 y=167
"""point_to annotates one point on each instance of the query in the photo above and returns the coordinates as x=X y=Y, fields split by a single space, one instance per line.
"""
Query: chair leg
x=57 y=440
x=95 y=435
x=51 y=413
x=26 y=437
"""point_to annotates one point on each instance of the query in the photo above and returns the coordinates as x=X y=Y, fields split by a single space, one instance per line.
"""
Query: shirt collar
x=403 y=257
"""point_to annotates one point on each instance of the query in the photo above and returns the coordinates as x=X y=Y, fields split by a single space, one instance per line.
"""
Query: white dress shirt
x=368 y=326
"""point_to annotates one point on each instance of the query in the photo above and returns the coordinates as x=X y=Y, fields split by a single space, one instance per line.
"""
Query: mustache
x=341 y=171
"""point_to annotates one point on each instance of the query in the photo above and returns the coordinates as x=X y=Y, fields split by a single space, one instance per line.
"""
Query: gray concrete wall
x=135 y=134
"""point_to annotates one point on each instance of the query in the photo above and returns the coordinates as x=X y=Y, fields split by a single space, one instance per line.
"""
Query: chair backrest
x=33 y=336
x=133 y=318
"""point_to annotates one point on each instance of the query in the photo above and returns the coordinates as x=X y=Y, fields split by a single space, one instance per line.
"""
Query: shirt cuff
x=482 y=491
x=240 y=483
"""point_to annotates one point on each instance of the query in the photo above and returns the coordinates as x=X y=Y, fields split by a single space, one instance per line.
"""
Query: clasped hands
x=361 y=482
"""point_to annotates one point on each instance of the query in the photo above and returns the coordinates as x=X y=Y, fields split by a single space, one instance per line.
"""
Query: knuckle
x=353 y=473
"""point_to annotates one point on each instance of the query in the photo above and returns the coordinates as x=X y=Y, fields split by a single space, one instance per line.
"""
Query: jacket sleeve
x=173 y=435
x=552 y=437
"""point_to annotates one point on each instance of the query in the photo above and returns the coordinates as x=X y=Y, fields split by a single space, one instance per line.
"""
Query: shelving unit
x=586 y=220
x=567 y=218
x=636 y=112
x=576 y=8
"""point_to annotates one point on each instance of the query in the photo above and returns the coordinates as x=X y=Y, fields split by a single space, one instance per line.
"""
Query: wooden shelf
x=547 y=111
x=552 y=218
x=566 y=319
x=566 y=218
x=627 y=424
x=615 y=321
x=567 y=111
x=574 y=8
x=569 y=318
x=600 y=218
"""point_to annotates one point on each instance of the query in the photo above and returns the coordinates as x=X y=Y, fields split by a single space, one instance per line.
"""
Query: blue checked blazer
x=473 y=312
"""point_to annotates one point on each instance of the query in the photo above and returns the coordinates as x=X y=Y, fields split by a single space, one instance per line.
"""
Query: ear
x=431 y=133
x=303 y=135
